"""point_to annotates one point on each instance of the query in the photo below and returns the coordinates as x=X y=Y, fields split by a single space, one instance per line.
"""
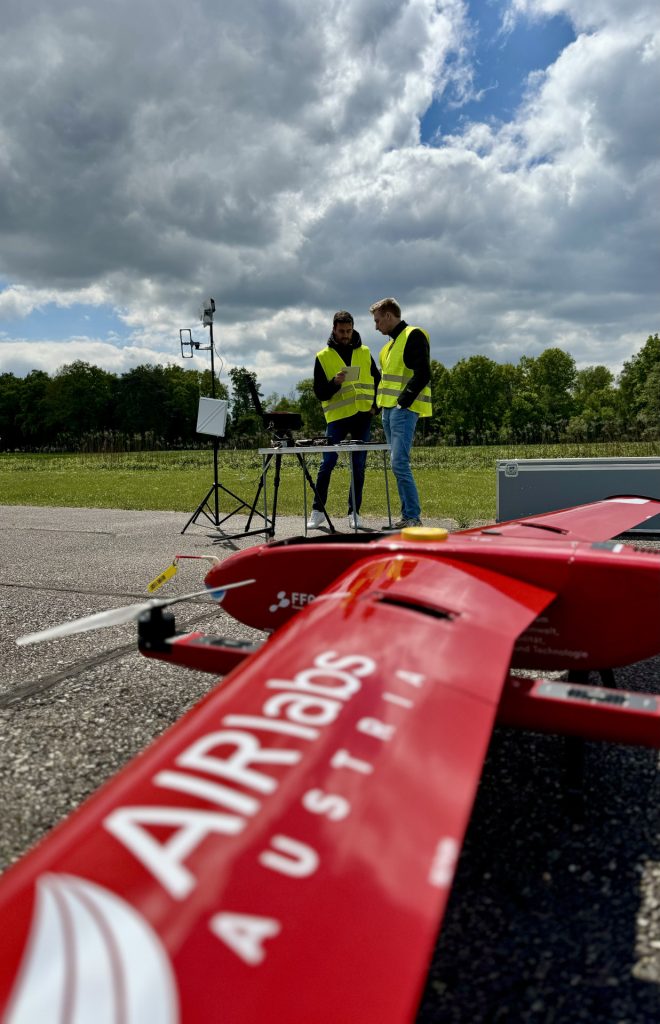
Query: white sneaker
x=356 y=522
x=316 y=519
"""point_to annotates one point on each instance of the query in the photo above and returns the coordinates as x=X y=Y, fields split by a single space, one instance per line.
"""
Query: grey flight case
x=529 y=486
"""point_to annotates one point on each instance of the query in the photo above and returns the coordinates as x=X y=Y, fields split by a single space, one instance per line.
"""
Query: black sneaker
x=401 y=524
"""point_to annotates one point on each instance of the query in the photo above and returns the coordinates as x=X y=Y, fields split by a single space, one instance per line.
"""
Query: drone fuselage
x=605 y=613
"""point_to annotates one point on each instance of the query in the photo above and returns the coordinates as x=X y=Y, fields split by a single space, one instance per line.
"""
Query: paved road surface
x=553 y=919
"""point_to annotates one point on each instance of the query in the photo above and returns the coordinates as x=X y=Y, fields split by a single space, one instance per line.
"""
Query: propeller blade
x=119 y=616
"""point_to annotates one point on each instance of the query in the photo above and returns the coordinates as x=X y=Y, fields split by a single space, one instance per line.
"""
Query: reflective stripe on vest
x=356 y=396
x=396 y=375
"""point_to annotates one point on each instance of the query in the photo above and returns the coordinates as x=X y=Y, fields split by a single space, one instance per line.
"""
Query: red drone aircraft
x=285 y=852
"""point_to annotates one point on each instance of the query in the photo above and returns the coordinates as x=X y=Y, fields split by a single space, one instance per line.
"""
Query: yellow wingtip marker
x=166 y=575
x=424 y=533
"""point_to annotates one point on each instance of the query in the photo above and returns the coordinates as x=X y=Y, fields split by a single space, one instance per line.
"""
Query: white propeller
x=118 y=616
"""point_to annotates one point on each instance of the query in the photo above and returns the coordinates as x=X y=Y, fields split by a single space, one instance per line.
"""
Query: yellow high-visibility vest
x=354 y=396
x=396 y=375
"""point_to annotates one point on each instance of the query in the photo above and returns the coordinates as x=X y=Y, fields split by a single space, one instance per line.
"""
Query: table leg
x=265 y=462
x=387 y=489
x=350 y=462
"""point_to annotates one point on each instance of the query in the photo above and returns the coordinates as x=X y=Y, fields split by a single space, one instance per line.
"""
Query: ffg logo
x=294 y=600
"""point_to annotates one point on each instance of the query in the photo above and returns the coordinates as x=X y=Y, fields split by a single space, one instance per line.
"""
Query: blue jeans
x=359 y=427
x=399 y=426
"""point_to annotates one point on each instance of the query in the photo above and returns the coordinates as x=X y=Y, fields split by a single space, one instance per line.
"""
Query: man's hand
x=339 y=377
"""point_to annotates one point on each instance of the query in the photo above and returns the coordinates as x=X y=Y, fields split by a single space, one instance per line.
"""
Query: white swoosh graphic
x=91 y=959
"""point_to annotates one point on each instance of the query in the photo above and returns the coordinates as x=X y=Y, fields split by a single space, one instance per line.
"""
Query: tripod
x=270 y=529
x=212 y=513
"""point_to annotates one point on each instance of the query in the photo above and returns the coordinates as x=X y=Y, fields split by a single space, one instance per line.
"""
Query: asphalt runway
x=555 y=912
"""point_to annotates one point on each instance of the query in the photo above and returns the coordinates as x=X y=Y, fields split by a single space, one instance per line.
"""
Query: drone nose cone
x=424 y=533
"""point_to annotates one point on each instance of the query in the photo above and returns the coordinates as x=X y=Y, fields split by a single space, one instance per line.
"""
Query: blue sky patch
x=502 y=61
x=57 y=323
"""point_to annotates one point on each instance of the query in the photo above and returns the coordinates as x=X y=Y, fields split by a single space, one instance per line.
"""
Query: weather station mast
x=211 y=419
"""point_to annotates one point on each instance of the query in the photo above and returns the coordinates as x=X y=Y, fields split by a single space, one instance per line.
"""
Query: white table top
x=310 y=449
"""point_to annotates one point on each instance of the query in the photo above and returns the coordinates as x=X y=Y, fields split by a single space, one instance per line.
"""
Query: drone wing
x=286 y=851
x=597 y=521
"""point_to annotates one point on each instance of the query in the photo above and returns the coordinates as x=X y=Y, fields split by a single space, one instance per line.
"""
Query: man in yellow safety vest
x=404 y=394
x=349 y=403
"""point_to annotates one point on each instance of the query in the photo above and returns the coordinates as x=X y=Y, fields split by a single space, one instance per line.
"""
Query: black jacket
x=324 y=389
x=417 y=357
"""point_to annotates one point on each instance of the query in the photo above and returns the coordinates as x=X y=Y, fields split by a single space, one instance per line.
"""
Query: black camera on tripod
x=279 y=424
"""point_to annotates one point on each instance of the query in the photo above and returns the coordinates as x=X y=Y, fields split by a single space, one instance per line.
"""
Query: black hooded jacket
x=324 y=389
x=416 y=356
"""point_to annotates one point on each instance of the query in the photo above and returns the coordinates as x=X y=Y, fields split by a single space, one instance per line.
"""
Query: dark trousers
x=359 y=427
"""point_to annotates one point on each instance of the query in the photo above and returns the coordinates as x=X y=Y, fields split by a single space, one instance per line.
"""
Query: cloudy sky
x=493 y=164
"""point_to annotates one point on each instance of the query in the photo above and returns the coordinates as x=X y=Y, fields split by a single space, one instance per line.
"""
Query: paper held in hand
x=352 y=373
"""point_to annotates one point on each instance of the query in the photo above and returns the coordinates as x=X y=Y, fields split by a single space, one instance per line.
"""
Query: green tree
x=281 y=403
x=596 y=405
x=310 y=408
x=649 y=412
x=206 y=386
x=632 y=379
x=80 y=399
x=141 y=397
x=522 y=422
x=476 y=399
x=551 y=378
x=11 y=435
x=440 y=397
x=34 y=398
x=244 y=417
x=182 y=389
x=163 y=401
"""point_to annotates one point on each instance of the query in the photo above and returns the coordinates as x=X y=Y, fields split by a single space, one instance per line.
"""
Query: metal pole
x=215 y=439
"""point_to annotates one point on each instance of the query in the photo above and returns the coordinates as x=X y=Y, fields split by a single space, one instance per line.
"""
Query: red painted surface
x=608 y=596
x=286 y=850
x=355 y=763
x=580 y=709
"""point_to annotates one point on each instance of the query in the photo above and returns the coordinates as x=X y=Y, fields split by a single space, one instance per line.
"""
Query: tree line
x=540 y=399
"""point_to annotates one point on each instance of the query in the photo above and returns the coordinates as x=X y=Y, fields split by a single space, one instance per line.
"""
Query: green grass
x=456 y=483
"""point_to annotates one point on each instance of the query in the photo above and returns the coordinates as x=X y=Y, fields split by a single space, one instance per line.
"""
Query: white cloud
x=270 y=156
x=18 y=301
x=20 y=358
